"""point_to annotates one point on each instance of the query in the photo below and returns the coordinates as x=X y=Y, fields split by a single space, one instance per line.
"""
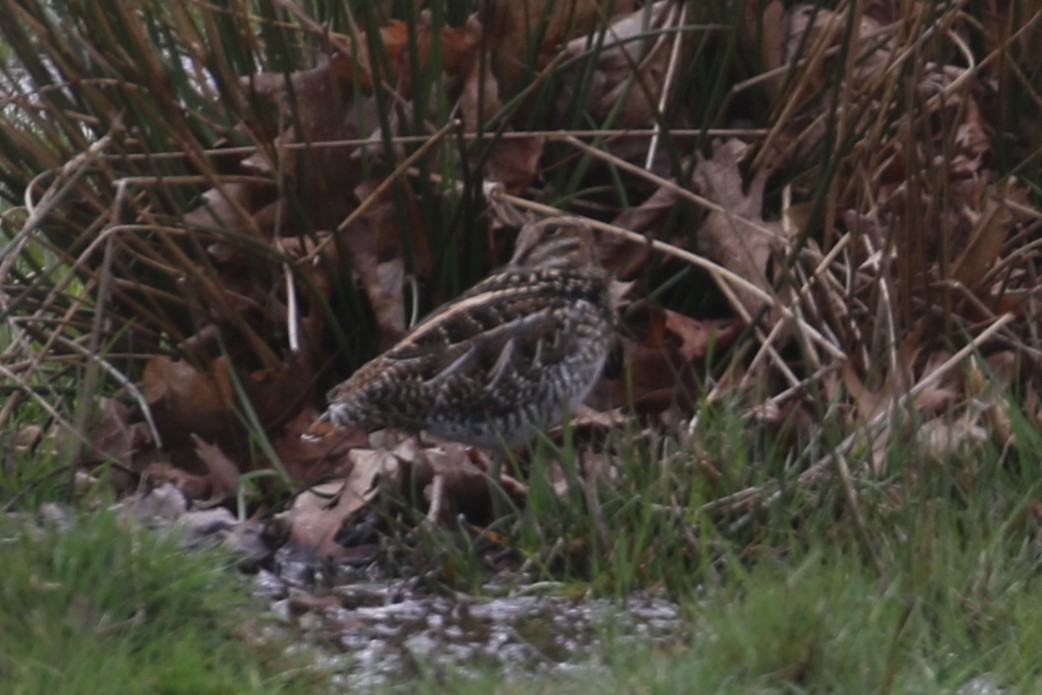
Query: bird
x=505 y=360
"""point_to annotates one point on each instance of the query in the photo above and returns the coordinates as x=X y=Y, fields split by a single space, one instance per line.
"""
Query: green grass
x=939 y=587
x=777 y=606
x=822 y=623
x=107 y=607
x=821 y=620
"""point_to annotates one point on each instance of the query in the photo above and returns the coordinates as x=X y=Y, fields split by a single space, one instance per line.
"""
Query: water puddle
x=378 y=633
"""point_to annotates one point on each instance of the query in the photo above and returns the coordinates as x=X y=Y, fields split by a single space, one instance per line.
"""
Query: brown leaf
x=185 y=400
x=935 y=400
x=513 y=162
x=694 y=337
x=322 y=455
x=631 y=69
x=229 y=209
x=374 y=248
x=28 y=437
x=985 y=243
x=944 y=440
x=457 y=48
x=116 y=438
x=736 y=236
x=188 y=403
x=276 y=395
x=868 y=402
x=647 y=218
x=510 y=27
x=223 y=472
x=808 y=25
x=451 y=481
x=321 y=104
x=319 y=513
x=660 y=371
x=291 y=193
x=479 y=96
x=806 y=38
x=120 y=439
x=972 y=142
x=194 y=486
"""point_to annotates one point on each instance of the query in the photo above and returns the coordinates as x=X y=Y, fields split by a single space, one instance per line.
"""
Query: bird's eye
x=551 y=229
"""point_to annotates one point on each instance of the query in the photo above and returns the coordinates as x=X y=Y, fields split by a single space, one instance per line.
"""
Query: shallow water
x=381 y=632
x=368 y=627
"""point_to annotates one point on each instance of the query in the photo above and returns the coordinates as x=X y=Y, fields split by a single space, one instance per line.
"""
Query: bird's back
x=494 y=365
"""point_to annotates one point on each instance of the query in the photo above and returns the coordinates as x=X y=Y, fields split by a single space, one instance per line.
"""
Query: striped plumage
x=502 y=360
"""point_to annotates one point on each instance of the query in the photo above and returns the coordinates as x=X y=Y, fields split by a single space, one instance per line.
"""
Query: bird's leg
x=437 y=502
x=495 y=489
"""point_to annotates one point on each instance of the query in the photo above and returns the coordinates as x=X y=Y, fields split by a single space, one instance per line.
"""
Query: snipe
x=505 y=359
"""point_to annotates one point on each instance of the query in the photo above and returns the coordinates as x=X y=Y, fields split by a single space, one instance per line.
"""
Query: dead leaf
x=514 y=162
x=944 y=440
x=479 y=97
x=28 y=437
x=374 y=248
x=223 y=472
x=736 y=236
x=321 y=455
x=190 y=405
x=647 y=218
x=116 y=438
x=695 y=338
x=457 y=50
x=984 y=247
x=630 y=69
x=450 y=479
x=972 y=142
x=320 y=512
x=660 y=372
x=321 y=104
x=509 y=28
x=185 y=400
x=194 y=486
x=867 y=402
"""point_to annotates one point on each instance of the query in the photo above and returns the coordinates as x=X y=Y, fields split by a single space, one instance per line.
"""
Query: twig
x=124 y=381
x=70 y=173
x=668 y=81
x=388 y=181
x=718 y=271
x=555 y=135
x=817 y=469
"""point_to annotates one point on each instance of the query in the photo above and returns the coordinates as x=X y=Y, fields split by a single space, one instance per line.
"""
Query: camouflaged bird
x=502 y=361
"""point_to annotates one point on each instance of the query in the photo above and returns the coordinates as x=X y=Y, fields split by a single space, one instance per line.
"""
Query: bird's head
x=555 y=242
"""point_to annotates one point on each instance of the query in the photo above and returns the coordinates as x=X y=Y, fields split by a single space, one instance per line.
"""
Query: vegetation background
x=825 y=443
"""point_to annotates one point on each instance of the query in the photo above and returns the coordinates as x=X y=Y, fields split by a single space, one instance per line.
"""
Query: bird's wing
x=490 y=355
